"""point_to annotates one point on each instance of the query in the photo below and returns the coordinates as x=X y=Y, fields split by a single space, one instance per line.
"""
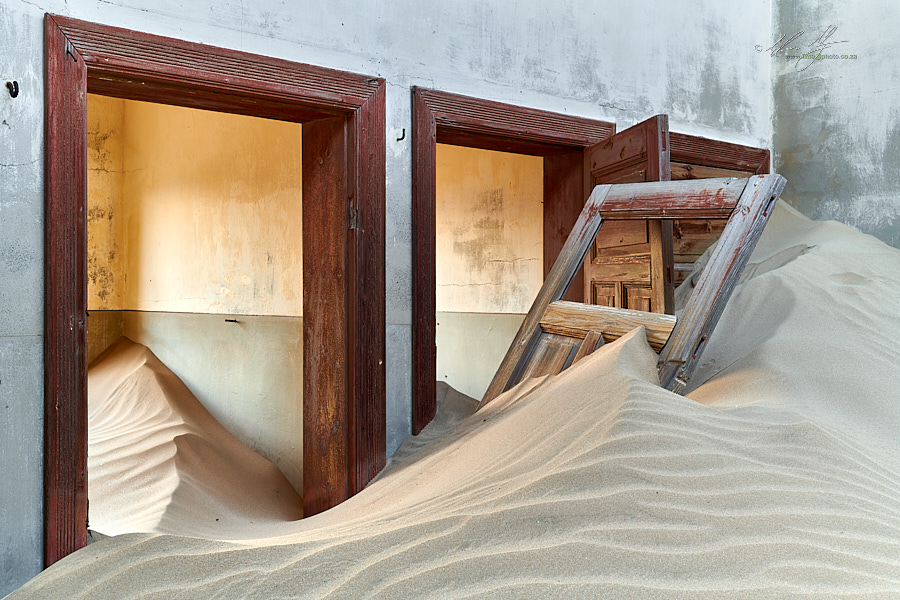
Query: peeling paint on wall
x=192 y=211
x=489 y=240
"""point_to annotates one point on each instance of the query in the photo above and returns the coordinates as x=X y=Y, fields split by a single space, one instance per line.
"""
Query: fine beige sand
x=777 y=477
x=158 y=461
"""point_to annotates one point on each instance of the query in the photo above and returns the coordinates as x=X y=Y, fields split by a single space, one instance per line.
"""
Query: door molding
x=442 y=117
x=348 y=111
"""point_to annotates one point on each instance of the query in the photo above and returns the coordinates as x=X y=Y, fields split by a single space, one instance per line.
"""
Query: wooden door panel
x=630 y=251
x=604 y=294
x=614 y=234
x=639 y=297
x=631 y=269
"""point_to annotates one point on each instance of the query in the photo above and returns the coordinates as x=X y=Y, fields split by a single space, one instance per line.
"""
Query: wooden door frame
x=442 y=117
x=696 y=150
x=344 y=338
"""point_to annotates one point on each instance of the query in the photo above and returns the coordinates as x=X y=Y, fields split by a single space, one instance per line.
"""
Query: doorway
x=343 y=244
x=488 y=258
x=195 y=251
x=442 y=117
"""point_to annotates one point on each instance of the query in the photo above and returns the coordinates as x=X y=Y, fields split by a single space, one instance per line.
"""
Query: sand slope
x=158 y=461
x=778 y=478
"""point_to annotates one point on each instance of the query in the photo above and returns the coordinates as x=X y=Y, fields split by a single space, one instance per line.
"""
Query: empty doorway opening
x=342 y=116
x=194 y=250
x=488 y=258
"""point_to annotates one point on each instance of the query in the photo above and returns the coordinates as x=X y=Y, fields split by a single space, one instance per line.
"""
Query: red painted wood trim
x=129 y=64
x=476 y=123
x=65 y=364
x=367 y=322
x=424 y=351
x=127 y=55
x=326 y=415
x=697 y=150
x=453 y=112
x=563 y=184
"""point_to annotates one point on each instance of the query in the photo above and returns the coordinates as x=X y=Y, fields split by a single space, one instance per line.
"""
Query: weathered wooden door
x=630 y=263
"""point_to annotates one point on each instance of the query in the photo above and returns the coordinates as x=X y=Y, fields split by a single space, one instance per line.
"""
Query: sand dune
x=158 y=461
x=778 y=477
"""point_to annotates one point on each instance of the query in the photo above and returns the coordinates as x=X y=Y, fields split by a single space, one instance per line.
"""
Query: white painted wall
x=837 y=121
x=622 y=62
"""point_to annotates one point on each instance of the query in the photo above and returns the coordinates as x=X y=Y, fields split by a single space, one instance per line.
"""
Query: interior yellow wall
x=213 y=212
x=106 y=173
x=195 y=217
x=489 y=261
x=489 y=230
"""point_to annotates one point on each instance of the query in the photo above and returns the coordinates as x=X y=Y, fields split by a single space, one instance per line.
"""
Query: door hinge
x=352 y=213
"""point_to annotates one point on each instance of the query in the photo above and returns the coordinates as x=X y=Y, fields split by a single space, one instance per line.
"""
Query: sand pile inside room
x=158 y=461
x=777 y=477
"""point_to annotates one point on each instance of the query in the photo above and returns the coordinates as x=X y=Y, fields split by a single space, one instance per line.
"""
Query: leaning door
x=630 y=263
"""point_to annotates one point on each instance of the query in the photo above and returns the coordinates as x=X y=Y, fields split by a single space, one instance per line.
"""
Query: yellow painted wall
x=194 y=217
x=202 y=210
x=489 y=230
x=213 y=212
x=489 y=261
x=106 y=172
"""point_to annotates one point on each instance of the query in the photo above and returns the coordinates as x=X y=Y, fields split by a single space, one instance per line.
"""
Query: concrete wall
x=489 y=257
x=194 y=217
x=837 y=120
x=693 y=59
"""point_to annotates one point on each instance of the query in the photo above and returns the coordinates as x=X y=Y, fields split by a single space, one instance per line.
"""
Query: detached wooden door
x=630 y=263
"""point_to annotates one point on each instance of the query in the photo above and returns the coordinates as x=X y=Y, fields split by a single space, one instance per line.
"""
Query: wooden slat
x=715 y=153
x=592 y=340
x=577 y=320
x=680 y=355
x=557 y=282
x=694 y=199
x=686 y=171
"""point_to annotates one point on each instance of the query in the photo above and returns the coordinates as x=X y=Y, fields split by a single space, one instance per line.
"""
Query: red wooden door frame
x=441 y=117
x=344 y=394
